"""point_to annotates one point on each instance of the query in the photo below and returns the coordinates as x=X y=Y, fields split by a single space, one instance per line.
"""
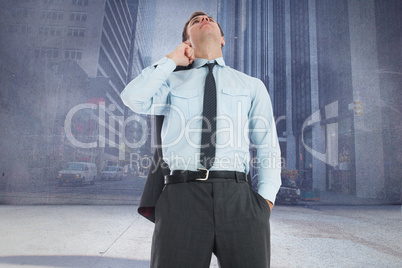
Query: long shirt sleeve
x=264 y=138
x=148 y=92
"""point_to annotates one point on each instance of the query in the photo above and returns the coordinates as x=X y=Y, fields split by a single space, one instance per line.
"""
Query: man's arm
x=265 y=139
x=147 y=93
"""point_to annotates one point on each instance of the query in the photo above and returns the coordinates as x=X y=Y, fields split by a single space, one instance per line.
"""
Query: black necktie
x=207 y=156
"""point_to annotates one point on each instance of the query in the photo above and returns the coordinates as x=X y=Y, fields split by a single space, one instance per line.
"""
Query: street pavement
x=48 y=192
x=116 y=236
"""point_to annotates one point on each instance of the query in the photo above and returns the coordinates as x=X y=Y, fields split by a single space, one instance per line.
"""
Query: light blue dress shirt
x=244 y=118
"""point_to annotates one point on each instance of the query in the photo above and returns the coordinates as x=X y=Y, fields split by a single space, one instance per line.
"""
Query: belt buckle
x=206 y=175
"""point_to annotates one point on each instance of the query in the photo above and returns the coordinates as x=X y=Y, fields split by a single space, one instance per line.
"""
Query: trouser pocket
x=263 y=204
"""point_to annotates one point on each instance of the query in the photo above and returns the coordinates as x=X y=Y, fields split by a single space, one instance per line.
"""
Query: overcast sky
x=169 y=21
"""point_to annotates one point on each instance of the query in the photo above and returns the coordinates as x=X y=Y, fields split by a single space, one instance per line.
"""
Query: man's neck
x=209 y=52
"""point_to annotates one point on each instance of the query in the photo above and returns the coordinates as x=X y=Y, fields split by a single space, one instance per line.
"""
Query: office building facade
x=47 y=42
x=332 y=69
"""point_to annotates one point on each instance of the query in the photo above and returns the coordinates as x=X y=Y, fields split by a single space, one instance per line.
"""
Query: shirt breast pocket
x=185 y=103
x=235 y=101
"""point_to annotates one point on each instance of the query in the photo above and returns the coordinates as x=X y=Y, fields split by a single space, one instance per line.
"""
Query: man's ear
x=222 y=41
x=188 y=42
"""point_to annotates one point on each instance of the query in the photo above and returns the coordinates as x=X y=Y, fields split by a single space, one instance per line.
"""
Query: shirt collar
x=201 y=62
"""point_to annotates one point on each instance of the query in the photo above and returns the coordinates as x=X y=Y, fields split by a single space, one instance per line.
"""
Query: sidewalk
x=116 y=236
x=74 y=236
x=336 y=199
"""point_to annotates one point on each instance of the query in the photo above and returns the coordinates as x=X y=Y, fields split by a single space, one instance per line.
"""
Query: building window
x=52 y=15
x=25 y=29
x=73 y=54
x=20 y=29
x=20 y=13
x=79 y=2
x=48 y=53
x=79 y=32
x=50 y=30
x=53 y=1
x=78 y=16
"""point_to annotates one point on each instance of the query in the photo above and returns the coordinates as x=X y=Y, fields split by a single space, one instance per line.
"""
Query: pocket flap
x=185 y=94
x=235 y=91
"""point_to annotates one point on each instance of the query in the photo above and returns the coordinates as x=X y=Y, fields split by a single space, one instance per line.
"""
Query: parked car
x=112 y=173
x=78 y=173
x=288 y=193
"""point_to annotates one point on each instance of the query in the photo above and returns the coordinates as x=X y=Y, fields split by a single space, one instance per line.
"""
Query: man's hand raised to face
x=183 y=55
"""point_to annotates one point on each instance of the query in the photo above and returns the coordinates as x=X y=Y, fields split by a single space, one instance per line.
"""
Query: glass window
x=75 y=166
x=80 y=32
x=79 y=2
x=73 y=54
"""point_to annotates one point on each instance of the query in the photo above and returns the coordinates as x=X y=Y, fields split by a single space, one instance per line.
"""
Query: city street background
x=333 y=71
x=114 y=192
x=116 y=236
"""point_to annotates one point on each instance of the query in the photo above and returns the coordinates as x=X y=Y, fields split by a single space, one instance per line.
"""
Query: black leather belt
x=178 y=176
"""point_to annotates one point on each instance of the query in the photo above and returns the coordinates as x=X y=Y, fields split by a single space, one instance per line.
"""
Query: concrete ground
x=116 y=236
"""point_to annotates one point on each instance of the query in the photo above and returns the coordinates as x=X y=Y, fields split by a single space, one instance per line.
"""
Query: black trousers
x=224 y=217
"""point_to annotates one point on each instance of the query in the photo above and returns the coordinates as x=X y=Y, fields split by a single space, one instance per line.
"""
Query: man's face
x=202 y=27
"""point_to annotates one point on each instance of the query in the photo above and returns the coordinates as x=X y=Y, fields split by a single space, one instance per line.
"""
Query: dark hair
x=195 y=14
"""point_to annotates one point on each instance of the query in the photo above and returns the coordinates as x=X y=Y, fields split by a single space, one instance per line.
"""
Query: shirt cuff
x=268 y=192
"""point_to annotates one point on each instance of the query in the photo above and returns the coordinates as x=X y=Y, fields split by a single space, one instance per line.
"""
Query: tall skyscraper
x=332 y=69
x=47 y=43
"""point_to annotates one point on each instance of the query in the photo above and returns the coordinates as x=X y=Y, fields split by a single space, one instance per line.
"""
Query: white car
x=112 y=173
x=78 y=173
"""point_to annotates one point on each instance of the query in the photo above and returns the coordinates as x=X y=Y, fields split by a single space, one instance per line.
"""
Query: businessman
x=212 y=114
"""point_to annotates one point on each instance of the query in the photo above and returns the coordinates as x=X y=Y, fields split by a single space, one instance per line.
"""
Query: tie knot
x=210 y=65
